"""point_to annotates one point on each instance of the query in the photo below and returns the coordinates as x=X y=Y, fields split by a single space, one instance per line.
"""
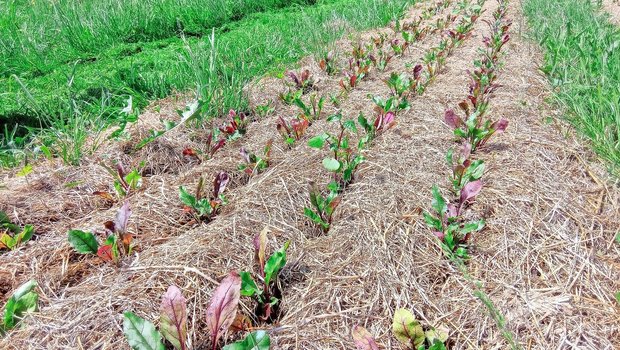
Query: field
x=311 y=175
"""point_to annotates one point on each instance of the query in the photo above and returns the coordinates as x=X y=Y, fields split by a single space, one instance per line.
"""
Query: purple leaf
x=417 y=71
x=223 y=306
x=122 y=217
x=363 y=339
x=500 y=125
x=452 y=119
x=470 y=191
x=219 y=183
x=173 y=318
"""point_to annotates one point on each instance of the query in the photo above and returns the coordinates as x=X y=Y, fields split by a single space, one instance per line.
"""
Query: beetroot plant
x=23 y=301
x=328 y=63
x=301 y=81
x=173 y=320
x=464 y=170
x=290 y=96
x=383 y=121
x=472 y=128
x=412 y=335
x=345 y=160
x=212 y=145
x=11 y=235
x=293 y=130
x=312 y=111
x=380 y=59
x=125 y=182
x=447 y=223
x=253 y=164
x=265 y=289
x=118 y=242
x=204 y=208
x=323 y=207
x=236 y=126
x=399 y=46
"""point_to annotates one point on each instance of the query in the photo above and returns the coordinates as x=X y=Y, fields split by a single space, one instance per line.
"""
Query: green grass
x=96 y=89
x=38 y=35
x=582 y=61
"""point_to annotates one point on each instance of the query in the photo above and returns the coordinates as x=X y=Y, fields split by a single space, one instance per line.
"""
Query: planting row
x=447 y=221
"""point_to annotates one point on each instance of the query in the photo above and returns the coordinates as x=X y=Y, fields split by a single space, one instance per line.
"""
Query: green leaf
x=407 y=329
x=334 y=117
x=83 y=242
x=432 y=221
x=133 y=179
x=318 y=141
x=472 y=227
x=25 y=171
x=350 y=125
x=23 y=300
x=313 y=216
x=275 y=263
x=140 y=333
x=331 y=164
x=4 y=218
x=248 y=286
x=258 y=340
x=26 y=234
x=439 y=203
x=7 y=241
x=187 y=198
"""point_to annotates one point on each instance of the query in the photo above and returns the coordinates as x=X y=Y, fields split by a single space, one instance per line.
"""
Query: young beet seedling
x=11 y=235
x=23 y=301
x=267 y=292
x=383 y=122
x=118 y=241
x=302 y=81
x=124 y=182
x=292 y=131
x=205 y=208
x=407 y=330
x=328 y=64
x=399 y=46
x=410 y=333
x=472 y=128
x=212 y=146
x=236 y=126
x=464 y=170
x=313 y=111
x=381 y=59
x=253 y=164
x=446 y=221
x=221 y=315
x=322 y=207
x=290 y=96
x=344 y=161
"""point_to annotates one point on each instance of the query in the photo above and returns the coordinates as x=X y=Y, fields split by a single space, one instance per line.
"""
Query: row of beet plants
x=474 y=128
x=405 y=328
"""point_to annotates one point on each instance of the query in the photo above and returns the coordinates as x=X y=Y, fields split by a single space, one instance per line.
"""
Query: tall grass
x=37 y=35
x=582 y=61
x=242 y=50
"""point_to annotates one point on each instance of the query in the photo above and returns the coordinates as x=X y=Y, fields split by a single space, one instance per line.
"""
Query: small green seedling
x=411 y=334
x=124 y=182
x=253 y=164
x=345 y=160
x=11 y=235
x=118 y=242
x=323 y=207
x=23 y=301
x=266 y=289
x=205 y=208
x=447 y=224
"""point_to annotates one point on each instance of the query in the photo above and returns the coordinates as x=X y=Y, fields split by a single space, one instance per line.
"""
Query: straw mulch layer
x=547 y=258
x=613 y=9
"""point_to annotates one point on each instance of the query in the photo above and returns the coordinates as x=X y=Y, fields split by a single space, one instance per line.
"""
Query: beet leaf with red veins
x=204 y=208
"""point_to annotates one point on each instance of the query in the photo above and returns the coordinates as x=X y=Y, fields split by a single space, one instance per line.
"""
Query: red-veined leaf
x=363 y=339
x=173 y=318
x=223 y=306
x=470 y=191
x=105 y=252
